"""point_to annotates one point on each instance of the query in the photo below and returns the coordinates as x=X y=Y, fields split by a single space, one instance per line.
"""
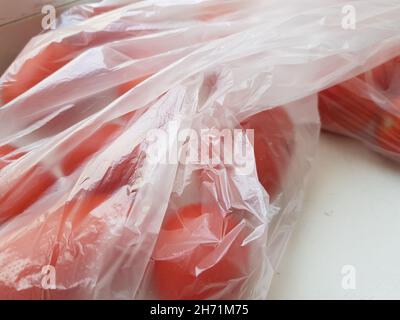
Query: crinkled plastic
x=85 y=192
x=367 y=107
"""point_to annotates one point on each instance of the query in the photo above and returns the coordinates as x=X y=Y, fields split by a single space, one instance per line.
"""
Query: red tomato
x=346 y=112
x=27 y=190
x=52 y=58
x=382 y=76
x=388 y=133
x=36 y=69
x=87 y=146
x=124 y=88
x=198 y=253
x=84 y=146
x=6 y=149
x=69 y=238
x=8 y=154
x=273 y=147
x=48 y=240
x=396 y=102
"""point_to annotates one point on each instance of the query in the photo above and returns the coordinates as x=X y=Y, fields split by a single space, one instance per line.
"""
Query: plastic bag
x=367 y=108
x=91 y=204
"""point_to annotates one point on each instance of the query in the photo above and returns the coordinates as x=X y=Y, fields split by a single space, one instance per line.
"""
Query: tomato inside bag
x=367 y=108
x=102 y=195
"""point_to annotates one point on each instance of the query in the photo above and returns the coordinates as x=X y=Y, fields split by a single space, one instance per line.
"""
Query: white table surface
x=351 y=217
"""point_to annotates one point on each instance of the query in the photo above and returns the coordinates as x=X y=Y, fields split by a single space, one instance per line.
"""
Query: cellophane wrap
x=92 y=206
x=367 y=108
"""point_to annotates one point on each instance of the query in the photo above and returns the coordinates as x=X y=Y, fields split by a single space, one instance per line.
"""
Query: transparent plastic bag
x=89 y=196
x=367 y=108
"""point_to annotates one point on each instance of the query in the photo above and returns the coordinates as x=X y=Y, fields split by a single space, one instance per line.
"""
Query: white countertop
x=351 y=218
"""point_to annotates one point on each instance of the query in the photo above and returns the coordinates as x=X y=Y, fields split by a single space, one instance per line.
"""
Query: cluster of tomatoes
x=199 y=250
x=185 y=266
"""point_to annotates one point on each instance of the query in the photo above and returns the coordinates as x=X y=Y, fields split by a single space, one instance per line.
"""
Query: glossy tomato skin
x=200 y=255
x=273 y=147
x=51 y=239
